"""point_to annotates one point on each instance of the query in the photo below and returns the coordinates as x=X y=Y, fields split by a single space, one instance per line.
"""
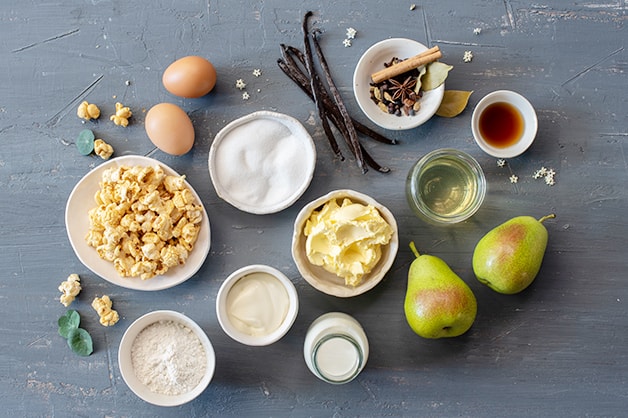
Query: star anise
x=403 y=91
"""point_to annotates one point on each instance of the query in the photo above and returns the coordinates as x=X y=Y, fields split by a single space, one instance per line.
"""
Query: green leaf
x=454 y=102
x=85 y=142
x=80 y=342
x=68 y=322
x=435 y=75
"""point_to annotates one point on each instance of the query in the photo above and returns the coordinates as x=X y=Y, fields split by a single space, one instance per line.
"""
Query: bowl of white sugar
x=166 y=359
x=262 y=163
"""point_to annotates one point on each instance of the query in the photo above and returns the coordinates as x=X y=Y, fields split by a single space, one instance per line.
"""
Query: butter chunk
x=346 y=239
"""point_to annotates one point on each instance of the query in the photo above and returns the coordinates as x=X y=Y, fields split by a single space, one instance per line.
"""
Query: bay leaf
x=454 y=102
x=435 y=75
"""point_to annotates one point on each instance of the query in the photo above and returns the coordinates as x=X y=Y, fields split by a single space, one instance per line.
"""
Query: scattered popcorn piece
x=102 y=306
x=412 y=6
x=347 y=42
x=257 y=72
x=501 y=163
x=351 y=33
x=245 y=96
x=102 y=149
x=70 y=288
x=468 y=56
x=240 y=84
x=514 y=178
x=122 y=115
x=477 y=31
x=88 y=111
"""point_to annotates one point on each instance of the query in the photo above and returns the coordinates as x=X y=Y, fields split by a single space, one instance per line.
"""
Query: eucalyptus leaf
x=454 y=102
x=68 y=322
x=80 y=342
x=435 y=75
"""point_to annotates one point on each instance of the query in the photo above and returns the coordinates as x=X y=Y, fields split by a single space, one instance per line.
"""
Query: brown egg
x=190 y=77
x=169 y=128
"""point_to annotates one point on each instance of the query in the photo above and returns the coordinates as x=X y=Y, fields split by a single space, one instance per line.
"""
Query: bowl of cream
x=262 y=163
x=256 y=305
x=344 y=243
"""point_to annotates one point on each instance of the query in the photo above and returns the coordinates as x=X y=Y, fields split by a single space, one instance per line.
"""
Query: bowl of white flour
x=166 y=359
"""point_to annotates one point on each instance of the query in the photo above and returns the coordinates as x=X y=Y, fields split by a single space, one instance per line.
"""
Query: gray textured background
x=557 y=349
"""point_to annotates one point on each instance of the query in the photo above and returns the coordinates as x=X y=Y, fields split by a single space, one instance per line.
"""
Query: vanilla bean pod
x=353 y=135
x=316 y=87
x=300 y=79
x=327 y=101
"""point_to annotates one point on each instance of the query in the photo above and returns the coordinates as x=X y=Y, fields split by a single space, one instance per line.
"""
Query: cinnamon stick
x=416 y=61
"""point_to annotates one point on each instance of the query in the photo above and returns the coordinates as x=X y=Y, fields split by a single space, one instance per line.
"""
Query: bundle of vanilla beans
x=299 y=66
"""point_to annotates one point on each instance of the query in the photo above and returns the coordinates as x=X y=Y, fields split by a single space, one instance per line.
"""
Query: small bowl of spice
x=504 y=124
x=166 y=359
x=344 y=243
x=389 y=83
x=257 y=305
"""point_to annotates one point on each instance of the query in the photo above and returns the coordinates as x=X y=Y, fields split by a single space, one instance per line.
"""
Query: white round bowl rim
x=234 y=333
x=527 y=112
x=325 y=281
x=308 y=148
x=126 y=365
x=372 y=61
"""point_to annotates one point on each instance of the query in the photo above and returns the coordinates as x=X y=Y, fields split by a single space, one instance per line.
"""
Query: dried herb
x=435 y=75
x=454 y=102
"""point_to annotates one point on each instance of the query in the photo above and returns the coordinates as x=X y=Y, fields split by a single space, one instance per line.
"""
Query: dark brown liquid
x=501 y=124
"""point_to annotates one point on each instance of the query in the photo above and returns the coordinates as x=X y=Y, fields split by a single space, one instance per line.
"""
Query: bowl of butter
x=344 y=243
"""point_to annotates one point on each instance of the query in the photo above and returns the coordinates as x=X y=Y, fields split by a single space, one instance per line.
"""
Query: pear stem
x=550 y=216
x=414 y=250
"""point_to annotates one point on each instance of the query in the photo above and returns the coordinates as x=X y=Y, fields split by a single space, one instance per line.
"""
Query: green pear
x=508 y=257
x=438 y=303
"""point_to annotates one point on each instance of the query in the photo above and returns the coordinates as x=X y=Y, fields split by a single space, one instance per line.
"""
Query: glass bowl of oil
x=446 y=186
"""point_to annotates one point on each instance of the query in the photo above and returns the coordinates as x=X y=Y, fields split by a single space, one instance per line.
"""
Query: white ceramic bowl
x=530 y=123
x=372 y=61
x=262 y=163
x=81 y=200
x=222 y=311
x=126 y=364
x=328 y=282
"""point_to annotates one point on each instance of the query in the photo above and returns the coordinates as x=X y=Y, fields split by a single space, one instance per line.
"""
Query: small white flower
x=542 y=171
x=468 y=56
x=240 y=84
x=549 y=181
x=501 y=163
x=347 y=42
x=550 y=173
x=351 y=33
x=477 y=31
x=514 y=178
x=257 y=72
x=245 y=96
x=537 y=174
